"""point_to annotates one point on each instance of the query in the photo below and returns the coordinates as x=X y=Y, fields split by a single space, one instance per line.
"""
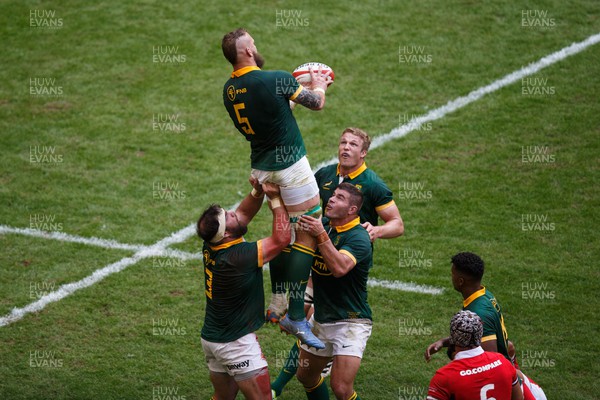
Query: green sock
x=288 y=371
x=297 y=272
x=318 y=392
x=277 y=268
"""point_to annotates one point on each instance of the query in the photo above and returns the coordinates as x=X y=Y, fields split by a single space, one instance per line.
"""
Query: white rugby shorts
x=340 y=338
x=234 y=358
x=297 y=182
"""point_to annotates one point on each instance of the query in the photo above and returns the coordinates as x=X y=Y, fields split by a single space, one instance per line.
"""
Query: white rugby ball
x=302 y=74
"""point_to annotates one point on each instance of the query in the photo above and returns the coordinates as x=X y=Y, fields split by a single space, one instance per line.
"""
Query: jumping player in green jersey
x=342 y=317
x=234 y=292
x=258 y=103
x=378 y=202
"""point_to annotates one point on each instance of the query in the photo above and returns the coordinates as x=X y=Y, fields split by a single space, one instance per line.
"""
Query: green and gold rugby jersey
x=344 y=298
x=258 y=104
x=376 y=195
x=233 y=283
x=484 y=304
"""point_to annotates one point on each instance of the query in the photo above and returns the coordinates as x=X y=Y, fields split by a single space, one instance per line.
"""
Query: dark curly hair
x=469 y=264
x=208 y=223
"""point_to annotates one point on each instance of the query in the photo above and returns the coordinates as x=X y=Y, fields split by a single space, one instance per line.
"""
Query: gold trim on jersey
x=297 y=92
x=348 y=226
x=260 y=253
x=239 y=72
x=475 y=295
x=347 y=253
x=489 y=337
x=356 y=172
x=384 y=206
x=226 y=245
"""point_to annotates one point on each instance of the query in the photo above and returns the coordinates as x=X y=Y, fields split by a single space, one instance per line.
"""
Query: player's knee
x=303 y=376
x=341 y=389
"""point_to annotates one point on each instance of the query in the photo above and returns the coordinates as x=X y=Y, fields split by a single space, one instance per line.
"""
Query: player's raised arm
x=281 y=234
x=314 y=97
x=251 y=203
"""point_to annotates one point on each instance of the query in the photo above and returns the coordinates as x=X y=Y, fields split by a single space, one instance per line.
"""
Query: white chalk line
x=65 y=290
x=414 y=124
x=405 y=286
x=94 y=241
x=397 y=285
x=460 y=102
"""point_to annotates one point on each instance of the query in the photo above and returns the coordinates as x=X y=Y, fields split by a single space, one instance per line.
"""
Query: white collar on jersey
x=468 y=353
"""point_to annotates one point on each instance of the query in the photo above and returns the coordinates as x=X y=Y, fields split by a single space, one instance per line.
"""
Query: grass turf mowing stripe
x=396 y=133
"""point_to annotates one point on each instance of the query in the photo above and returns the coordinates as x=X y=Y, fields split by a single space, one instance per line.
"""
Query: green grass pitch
x=112 y=126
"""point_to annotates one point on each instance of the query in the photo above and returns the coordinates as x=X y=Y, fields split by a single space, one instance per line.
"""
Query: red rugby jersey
x=474 y=375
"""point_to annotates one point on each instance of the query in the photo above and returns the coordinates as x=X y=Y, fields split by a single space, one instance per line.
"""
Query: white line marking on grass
x=397 y=285
x=405 y=286
x=94 y=241
x=396 y=133
x=477 y=94
x=156 y=250
x=65 y=237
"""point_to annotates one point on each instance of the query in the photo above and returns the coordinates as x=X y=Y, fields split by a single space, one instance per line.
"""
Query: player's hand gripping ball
x=302 y=73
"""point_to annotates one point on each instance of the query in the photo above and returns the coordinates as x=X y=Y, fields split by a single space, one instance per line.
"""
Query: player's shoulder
x=327 y=170
x=498 y=358
x=274 y=74
x=359 y=234
x=239 y=248
x=244 y=246
x=489 y=295
x=373 y=177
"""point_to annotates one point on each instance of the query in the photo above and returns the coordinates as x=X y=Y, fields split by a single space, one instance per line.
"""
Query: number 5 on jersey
x=243 y=121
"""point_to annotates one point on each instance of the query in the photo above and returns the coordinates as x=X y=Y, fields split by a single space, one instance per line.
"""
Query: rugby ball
x=302 y=74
